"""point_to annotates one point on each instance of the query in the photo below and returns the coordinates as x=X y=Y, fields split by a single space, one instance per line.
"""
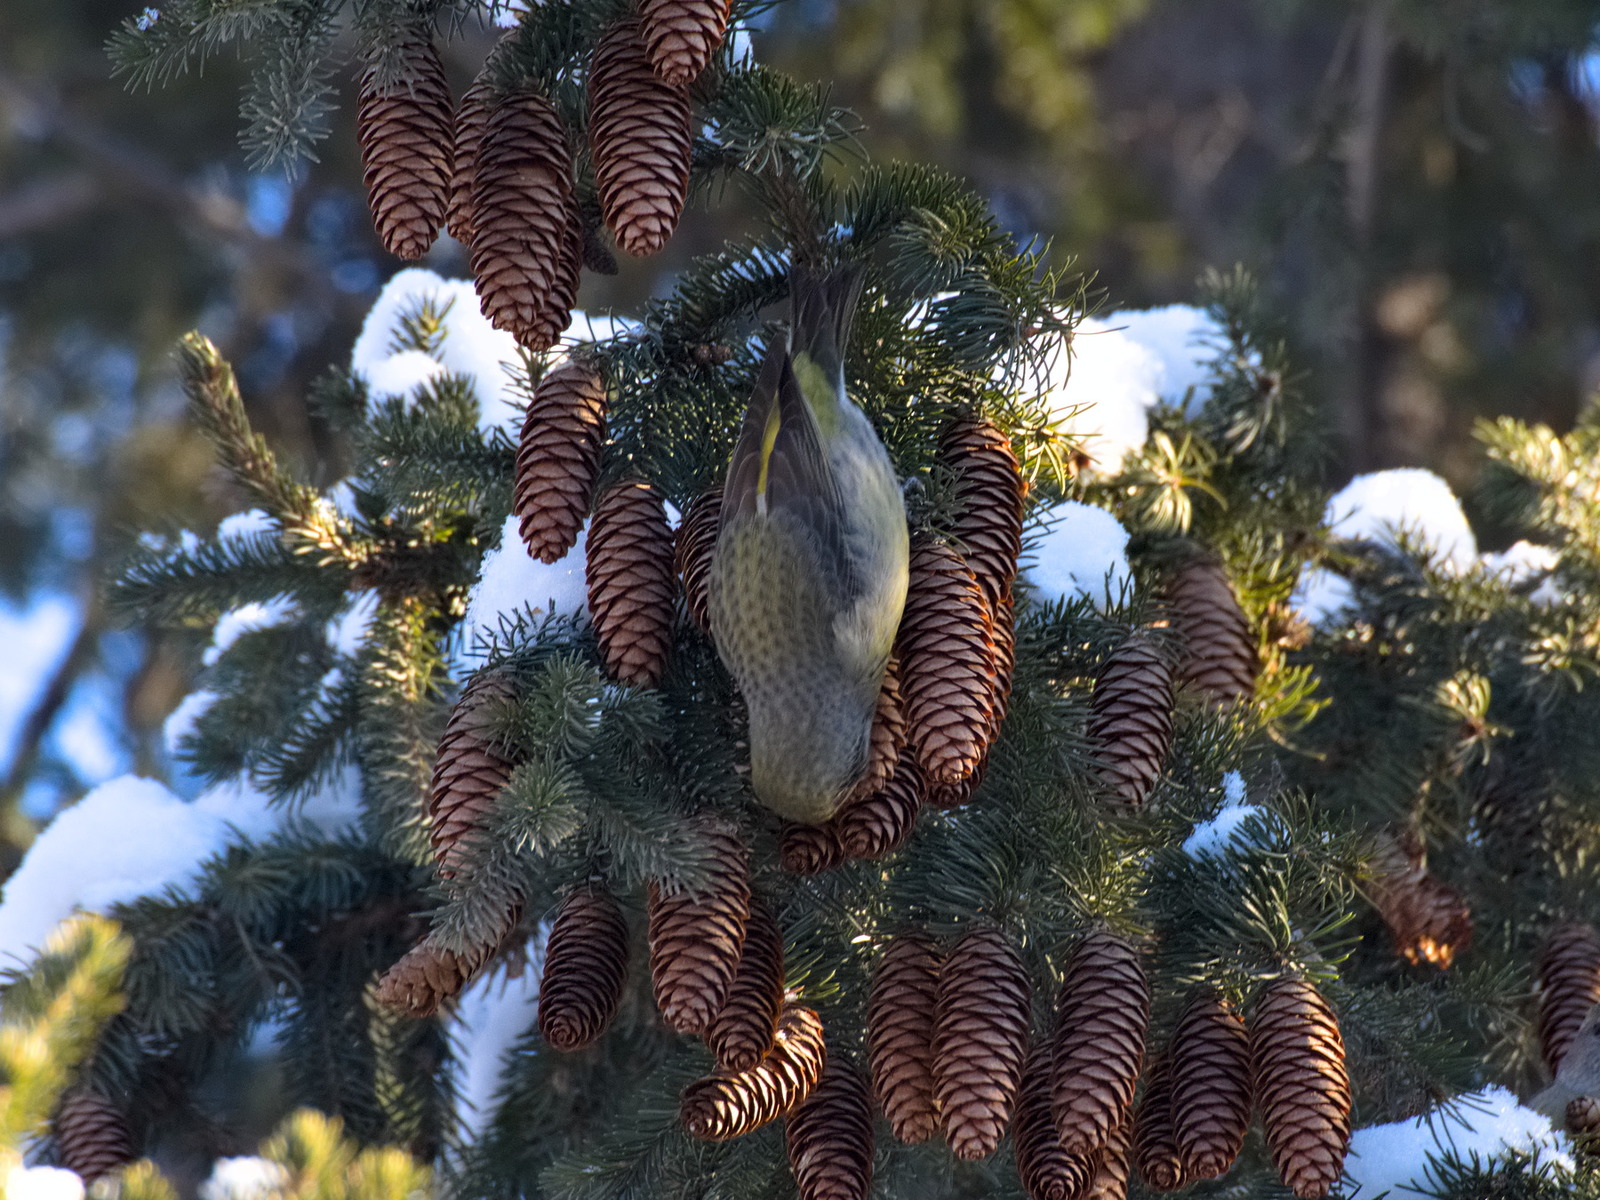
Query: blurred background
x=1416 y=183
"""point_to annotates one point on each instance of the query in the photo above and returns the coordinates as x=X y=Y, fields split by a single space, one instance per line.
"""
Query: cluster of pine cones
x=497 y=168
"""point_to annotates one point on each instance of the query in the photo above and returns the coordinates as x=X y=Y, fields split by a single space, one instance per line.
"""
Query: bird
x=809 y=573
x=1579 y=1073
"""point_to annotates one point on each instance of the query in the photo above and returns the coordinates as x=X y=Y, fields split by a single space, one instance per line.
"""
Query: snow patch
x=245 y=524
x=1225 y=831
x=1079 y=550
x=512 y=579
x=491 y=1015
x=347 y=632
x=244 y=1179
x=42 y=1183
x=403 y=373
x=1321 y=596
x=1184 y=340
x=247 y=618
x=1380 y=506
x=181 y=721
x=35 y=638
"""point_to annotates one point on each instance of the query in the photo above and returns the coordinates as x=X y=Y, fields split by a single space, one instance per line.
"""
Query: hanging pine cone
x=640 y=139
x=558 y=458
x=730 y=1104
x=585 y=961
x=1210 y=1059
x=810 y=849
x=630 y=582
x=900 y=1022
x=742 y=1033
x=1003 y=626
x=1102 y=1013
x=1111 y=1175
x=692 y=546
x=471 y=123
x=1219 y=650
x=1428 y=920
x=682 y=35
x=696 y=938
x=429 y=975
x=988 y=496
x=406 y=130
x=830 y=1136
x=1130 y=719
x=92 y=1135
x=1583 y=1123
x=875 y=825
x=888 y=733
x=1155 y=1144
x=980 y=1038
x=1301 y=1085
x=526 y=236
x=470 y=770
x=1047 y=1171
x=1569 y=986
x=946 y=664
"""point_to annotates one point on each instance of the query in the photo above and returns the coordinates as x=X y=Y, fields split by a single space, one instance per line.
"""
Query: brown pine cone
x=696 y=938
x=742 y=1033
x=1155 y=1145
x=682 y=35
x=1583 y=1123
x=92 y=1135
x=470 y=770
x=1219 y=647
x=988 y=498
x=406 y=130
x=1003 y=625
x=558 y=458
x=1130 y=719
x=1047 y=1171
x=692 y=547
x=876 y=825
x=1110 y=1180
x=947 y=664
x=429 y=975
x=1301 y=1084
x=900 y=1017
x=810 y=849
x=640 y=139
x=471 y=123
x=1569 y=986
x=888 y=733
x=980 y=1038
x=526 y=235
x=1428 y=920
x=630 y=582
x=730 y=1104
x=1102 y=1013
x=1210 y=1057
x=585 y=961
x=830 y=1136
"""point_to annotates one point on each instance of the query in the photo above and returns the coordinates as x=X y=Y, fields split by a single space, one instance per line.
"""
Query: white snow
x=245 y=524
x=1383 y=504
x=347 y=631
x=181 y=721
x=513 y=579
x=42 y=1183
x=1522 y=561
x=1321 y=596
x=244 y=1179
x=1487 y=1123
x=1214 y=838
x=492 y=1014
x=247 y=618
x=1078 y=550
x=1184 y=339
x=35 y=639
x=403 y=373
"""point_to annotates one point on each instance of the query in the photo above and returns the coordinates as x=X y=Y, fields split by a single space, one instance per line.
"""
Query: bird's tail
x=824 y=306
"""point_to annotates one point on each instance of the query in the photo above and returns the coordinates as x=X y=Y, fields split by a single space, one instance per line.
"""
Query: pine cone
x=1210 y=1057
x=1111 y=1174
x=876 y=825
x=1047 y=1171
x=585 y=961
x=471 y=124
x=830 y=1136
x=742 y=1033
x=1583 y=1123
x=980 y=1038
x=1003 y=626
x=946 y=664
x=469 y=771
x=1131 y=717
x=682 y=35
x=630 y=582
x=730 y=1104
x=406 y=132
x=641 y=141
x=1429 y=921
x=1102 y=1013
x=558 y=458
x=810 y=849
x=693 y=545
x=695 y=939
x=428 y=975
x=92 y=1135
x=988 y=497
x=1569 y=986
x=900 y=1021
x=888 y=733
x=1220 y=652
x=1155 y=1144
x=526 y=235
x=1301 y=1085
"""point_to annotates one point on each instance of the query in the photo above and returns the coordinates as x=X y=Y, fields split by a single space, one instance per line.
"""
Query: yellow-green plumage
x=808 y=579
